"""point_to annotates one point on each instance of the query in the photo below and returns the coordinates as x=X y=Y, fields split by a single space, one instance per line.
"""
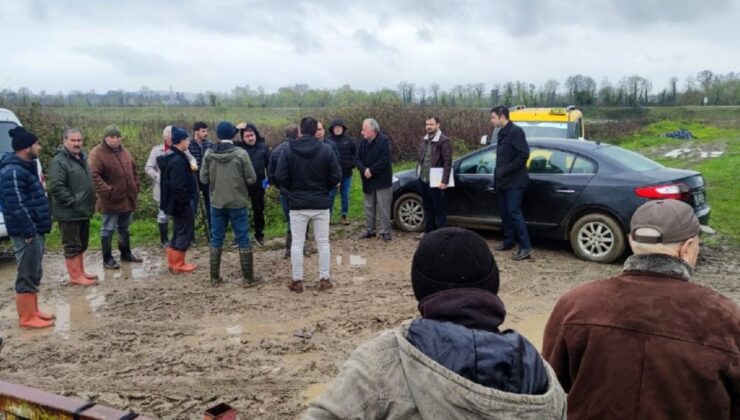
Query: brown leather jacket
x=646 y=344
x=441 y=154
x=115 y=178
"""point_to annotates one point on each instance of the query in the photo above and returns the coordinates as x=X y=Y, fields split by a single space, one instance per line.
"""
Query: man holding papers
x=435 y=157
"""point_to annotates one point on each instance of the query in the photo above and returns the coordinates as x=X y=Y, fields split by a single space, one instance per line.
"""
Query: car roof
x=8 y=115
x=545 y=114
x=572 y=144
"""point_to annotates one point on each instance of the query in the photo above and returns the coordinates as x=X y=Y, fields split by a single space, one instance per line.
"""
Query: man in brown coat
x=648 y=343
x=117 y=186
x=435 y=151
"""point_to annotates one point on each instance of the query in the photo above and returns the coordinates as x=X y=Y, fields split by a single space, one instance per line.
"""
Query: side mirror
x=484 y=139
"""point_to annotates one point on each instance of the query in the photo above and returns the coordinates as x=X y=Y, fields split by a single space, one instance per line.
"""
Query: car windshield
x=5 y=141
x=544 y=129
x=631 y=160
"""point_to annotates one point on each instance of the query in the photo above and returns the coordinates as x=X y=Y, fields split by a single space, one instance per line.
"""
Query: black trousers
x=257 y=197
x=183 y=229
x=435 y=206
x=75 y=237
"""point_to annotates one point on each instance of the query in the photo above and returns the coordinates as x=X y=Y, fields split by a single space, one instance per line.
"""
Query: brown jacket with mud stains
x=116 y=180
x=646 y=344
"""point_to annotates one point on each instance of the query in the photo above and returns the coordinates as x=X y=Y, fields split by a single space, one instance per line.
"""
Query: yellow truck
x=561 y=123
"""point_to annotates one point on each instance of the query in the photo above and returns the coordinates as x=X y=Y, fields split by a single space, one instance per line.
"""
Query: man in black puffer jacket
x=308 y=169
x=28 y=220
x=259 y=154
x=347 y=152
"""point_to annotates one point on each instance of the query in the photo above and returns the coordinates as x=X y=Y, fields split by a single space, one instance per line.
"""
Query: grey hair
x=167 y=132
x=372 y=124
x=68 y=131
x=656 y=248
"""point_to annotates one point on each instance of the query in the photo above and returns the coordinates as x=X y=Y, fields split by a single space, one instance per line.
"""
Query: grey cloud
x=424 y=34
x=127 y=60
x=370 y=42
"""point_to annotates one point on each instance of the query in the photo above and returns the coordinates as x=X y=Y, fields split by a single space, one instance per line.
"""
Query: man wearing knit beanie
x=228 y=172
x=454 y=362
x=28 y=218
x=178 y=190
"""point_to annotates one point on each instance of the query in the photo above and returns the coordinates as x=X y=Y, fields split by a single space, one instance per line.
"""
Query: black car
x=581 y=191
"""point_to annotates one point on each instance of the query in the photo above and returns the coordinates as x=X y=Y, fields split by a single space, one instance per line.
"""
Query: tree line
x=703 y=88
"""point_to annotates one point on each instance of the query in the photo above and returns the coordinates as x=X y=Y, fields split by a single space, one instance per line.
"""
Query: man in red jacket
x=648 y=343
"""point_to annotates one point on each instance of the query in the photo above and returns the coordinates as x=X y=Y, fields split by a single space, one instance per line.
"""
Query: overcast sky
x=199 y=45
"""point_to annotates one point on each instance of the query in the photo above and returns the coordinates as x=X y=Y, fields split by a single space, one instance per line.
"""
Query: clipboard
x=435 y=177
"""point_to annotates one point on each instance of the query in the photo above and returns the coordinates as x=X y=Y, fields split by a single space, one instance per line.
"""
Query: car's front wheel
x=597 y=237
x=408 y=213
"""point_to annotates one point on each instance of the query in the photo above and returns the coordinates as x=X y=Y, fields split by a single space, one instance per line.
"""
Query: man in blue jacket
x=510 y=181
x=28 y=218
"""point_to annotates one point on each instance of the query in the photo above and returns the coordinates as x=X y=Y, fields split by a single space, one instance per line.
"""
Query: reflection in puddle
x=77 y=313
x=401 y=265
x=237 y=330
x=314 y=391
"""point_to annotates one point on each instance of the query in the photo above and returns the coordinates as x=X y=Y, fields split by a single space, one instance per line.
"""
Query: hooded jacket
x=178 y=186
x=646 y=344
x=346 y=147
x=72 y=191
x=115 y=178
x=390 y=378
x=22 y=199
x=259 y=154
x=375 y=155
x=228 y=172
x=308 y=169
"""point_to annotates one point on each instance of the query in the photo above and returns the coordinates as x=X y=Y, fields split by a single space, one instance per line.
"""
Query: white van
x=9 y=121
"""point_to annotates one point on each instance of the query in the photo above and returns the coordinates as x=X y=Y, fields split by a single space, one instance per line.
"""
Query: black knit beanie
x=452 y=258
x=22 y=139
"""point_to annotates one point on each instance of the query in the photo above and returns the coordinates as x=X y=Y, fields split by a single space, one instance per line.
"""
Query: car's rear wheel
x=408 y=213
x=597 y=237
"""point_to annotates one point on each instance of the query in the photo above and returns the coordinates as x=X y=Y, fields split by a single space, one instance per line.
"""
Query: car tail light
x=675 y=191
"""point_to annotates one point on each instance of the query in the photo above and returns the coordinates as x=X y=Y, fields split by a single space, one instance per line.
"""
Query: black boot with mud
x=246 y=258
x=124 y=245
x=215 y=265
x=109 y=262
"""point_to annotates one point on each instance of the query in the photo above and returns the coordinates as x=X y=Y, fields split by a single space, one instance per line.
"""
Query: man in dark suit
x=511 y=180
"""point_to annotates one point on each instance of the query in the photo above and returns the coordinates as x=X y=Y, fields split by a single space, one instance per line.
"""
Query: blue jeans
x=286 y=208
x=239 y=224
x=332 y=196
x=28 y=256
x=435 y=206
x=113 y=221
x=344 y=188
x=512 y=218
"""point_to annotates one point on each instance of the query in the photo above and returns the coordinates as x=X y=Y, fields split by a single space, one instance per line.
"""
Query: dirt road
x=171 y=346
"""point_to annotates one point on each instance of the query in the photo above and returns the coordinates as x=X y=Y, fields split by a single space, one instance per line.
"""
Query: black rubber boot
x=108 y=261
x=124 y=245
x=215 y=265
x=163 y=236
x=288 y=244
x=246 y=258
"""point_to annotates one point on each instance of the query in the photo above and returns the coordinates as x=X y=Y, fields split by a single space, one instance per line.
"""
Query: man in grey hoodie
x=454 y=362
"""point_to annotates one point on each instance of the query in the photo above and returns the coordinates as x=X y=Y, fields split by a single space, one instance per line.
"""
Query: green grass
x=721 y=174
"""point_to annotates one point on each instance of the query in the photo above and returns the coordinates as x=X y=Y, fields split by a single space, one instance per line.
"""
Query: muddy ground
x=171 y=346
